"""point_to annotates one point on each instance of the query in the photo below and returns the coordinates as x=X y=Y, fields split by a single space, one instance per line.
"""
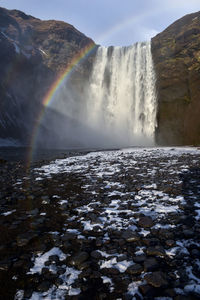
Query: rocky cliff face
x=176 y=54
x=32 y=54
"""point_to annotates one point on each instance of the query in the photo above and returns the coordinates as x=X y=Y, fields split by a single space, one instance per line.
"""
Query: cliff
x=32 y=54
x=176 y=55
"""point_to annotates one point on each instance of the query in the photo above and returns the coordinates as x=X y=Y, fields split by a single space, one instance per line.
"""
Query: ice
x=63 y=202
x=42 y=258
x=133 y=288
x=108 y=280
x=42 y=51
x=19 y=295
x=144 y=232
x=88 y=226
x=197 y=217
x=76 y=231
x=59 y=292
x=192 y=288
x=112 y=263
x=43 y=214
x=17 y=49
x=7 y=213
x=38 y=178
x=123 y=265
x=163 y=226
x=109 y=263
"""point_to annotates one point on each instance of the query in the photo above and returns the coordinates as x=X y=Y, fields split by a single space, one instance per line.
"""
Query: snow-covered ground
x=133 y=205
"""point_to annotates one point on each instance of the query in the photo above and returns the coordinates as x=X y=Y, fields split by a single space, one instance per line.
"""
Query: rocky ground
x=105 y=225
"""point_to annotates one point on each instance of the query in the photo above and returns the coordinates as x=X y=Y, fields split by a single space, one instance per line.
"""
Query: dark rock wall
x=32 y=54
x=176 y=55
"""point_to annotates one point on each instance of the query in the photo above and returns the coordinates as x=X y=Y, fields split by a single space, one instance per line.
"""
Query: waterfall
x=122 y=97
x=115 y=107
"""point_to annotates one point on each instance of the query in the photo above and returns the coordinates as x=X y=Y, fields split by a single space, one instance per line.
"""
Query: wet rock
x=24 y=239
x=68 y=236
x=151 y=242
x=96 y=254
x=170 y=293
x=5 y=265
x=98 y=242
x=139 y=258
x=156 y=251
x=145 y=222
x=150 y=264
x=166 y=234
x=130 y=236
x=19 y=264
x=111 y=271
x=170 y=243
x=53 y=258
x=195 y=253
x=78 y=259
x=122 y=257
x=58 y=281
x=60 y=270
x=188 y=233
x=135 y=269
x=146 y=290
x=156 y=279
x=44 y=286
x=33 y=212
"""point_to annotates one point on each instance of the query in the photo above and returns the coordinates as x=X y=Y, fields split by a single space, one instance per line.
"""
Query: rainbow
x=80 y=56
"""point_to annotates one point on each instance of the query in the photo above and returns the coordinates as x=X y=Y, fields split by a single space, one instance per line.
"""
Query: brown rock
x=156 y=251
x=135 y=269
x=150 y=264
x=156 y=279
x=145 y=222
x=146 y=290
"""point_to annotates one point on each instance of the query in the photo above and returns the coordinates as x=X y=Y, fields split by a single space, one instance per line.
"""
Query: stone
x=145 y=222
x=44 y=286
x=139 y=258
x=150 y=264
x=78 y=259
x=146 y=290
x=58 y=281
x=33 y=212
x=188 y=233
x=68 y=236
x=170 y=243
x=112 y=271
x=96 y=254
x=135 y=269
x=130 y=236
x=54 y=258
x=156 y=251
x=195 y=253
x=5 y=265
x=24 y=239
x=156 y=279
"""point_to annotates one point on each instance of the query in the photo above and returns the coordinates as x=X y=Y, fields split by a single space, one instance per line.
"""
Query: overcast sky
x=110 y=22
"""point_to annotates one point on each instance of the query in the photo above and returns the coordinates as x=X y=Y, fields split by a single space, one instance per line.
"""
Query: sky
x=110 y=22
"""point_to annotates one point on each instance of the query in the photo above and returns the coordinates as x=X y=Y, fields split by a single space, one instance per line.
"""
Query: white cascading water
x=117 y=106
x=122 y=96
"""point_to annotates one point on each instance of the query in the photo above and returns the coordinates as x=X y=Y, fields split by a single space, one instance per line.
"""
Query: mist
x=114 y=107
